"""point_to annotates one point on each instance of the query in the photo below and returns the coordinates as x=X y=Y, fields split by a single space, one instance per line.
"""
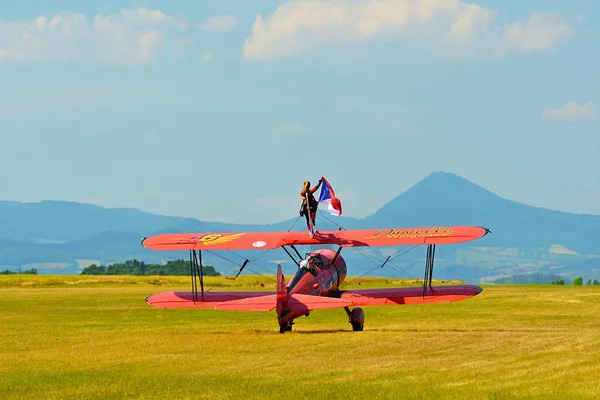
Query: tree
x=93 y=270
x=589 y=282
x=32 y=271
x=139 y=268
x=596 y=282
x=578 y=281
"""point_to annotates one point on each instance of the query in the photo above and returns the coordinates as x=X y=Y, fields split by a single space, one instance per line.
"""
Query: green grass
x=83 y=337
x=242 y=282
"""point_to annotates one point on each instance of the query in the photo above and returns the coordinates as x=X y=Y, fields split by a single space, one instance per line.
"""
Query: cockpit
x=311 y=264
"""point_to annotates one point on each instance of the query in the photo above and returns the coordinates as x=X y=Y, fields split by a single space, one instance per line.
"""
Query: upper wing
x=215 y=241
x=392 y=236
x=343 y=238
x=410 y=295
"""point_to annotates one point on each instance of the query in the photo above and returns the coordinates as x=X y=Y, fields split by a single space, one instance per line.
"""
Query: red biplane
x=316 y=283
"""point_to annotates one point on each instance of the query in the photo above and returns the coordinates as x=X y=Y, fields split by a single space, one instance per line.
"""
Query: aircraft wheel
x=287 y=327
x=357 y=319
x=357 y=327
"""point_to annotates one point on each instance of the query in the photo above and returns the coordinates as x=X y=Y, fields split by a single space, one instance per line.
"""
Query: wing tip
x=487 y=230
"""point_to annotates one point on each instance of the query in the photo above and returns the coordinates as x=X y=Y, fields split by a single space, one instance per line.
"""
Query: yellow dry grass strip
x=519 y=342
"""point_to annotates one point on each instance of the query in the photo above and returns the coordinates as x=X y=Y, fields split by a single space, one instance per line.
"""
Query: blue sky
x=220 y=110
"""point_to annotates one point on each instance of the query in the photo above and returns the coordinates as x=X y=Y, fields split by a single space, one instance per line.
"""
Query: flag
x=327 y=197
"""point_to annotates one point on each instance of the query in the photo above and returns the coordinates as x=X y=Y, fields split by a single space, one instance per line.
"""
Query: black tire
x=357 y=327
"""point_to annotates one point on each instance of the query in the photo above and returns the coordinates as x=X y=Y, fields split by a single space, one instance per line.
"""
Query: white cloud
x=571 y=111
x=206 y=56
x=127 y=37
x=289 y=128
x=451 y=26
x=218 y=24
x=542 y=32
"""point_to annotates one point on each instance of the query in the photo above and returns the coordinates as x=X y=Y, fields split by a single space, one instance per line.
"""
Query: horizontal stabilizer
x=305 y=302
x=261 y=303
x=295 y=302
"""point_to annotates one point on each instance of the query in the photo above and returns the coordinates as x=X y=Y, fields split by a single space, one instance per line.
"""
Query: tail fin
x=281 y=291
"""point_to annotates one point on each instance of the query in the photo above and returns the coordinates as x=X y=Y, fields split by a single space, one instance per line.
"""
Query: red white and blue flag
x=327 y=197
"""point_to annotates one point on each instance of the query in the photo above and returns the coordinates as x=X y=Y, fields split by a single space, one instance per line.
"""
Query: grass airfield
x=94 y=337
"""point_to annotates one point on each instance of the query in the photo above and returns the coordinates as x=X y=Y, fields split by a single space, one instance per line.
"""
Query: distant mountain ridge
x=64 y=237
x=447 y=199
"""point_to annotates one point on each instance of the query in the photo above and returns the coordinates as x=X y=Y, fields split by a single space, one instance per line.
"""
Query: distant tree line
x=577 y=282
x=31 y=271
x=528 y=279
x=539 y=278
x=135 y=267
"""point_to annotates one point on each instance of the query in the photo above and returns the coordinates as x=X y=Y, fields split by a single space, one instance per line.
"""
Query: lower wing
x=267 y=301
x=208 y=300
x=242 y=301
x=410 y=295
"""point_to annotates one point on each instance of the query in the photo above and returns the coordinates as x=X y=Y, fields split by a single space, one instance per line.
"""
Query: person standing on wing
x=307 y=192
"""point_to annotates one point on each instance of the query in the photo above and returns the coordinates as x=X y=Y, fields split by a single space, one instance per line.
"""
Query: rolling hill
x=63 y=237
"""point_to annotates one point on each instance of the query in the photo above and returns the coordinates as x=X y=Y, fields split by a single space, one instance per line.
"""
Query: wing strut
x=196 y=271
x=296 y=250
x=428 y=268
x=242 y=267
x=292 y=257
x=337 y=254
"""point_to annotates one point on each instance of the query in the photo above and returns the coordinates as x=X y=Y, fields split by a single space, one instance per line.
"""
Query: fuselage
x=318 y=275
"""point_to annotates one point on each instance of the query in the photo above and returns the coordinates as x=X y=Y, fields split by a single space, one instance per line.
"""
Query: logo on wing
x=412 y=233
x=209 y=239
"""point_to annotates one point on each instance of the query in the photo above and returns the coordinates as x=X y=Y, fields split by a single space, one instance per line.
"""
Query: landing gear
x=357 y=318
x=285 y=327
x=357 y=327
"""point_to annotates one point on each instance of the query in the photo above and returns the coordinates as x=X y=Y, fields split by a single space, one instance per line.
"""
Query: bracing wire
x=390 y=261
x=294 y=224
x=249 y=269
x=378 y=266
x=330 y=220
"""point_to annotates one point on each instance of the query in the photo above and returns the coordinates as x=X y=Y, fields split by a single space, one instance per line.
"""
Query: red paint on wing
x=412 y=295
x=295 y=302
x=185 y=299
x=261 y=303
x=305 y=302
x=215 y=241
x=344 y=238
